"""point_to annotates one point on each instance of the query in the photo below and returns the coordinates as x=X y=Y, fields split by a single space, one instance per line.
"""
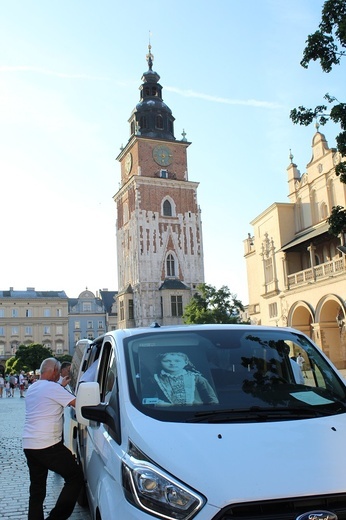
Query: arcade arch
x=330 y=314
x=326 y=325
x=301 y=317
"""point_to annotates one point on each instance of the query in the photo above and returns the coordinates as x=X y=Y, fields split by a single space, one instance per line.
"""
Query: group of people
x=9 y=383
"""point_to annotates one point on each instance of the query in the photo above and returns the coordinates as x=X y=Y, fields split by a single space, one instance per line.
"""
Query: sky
x=70 y=71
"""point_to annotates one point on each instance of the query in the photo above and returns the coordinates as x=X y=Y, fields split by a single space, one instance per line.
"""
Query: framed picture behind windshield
x=175 y=377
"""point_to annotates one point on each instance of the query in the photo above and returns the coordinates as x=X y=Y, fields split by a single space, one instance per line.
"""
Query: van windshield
x=223 y=375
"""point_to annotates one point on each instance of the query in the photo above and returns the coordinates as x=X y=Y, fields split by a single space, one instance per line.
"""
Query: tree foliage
x=30 y=357
x=328 y=45
x=211 y=305
x=65 y=357
x=337 y=220
x=10 y=367
x=322 y=44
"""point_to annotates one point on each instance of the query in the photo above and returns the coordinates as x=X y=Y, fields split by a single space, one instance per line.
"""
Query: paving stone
x=14 y=473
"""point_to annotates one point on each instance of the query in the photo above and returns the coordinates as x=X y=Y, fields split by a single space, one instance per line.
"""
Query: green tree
x=211 y=305
x=65 y=357
x=328 y=45
x=10 y=365
x=30 y=357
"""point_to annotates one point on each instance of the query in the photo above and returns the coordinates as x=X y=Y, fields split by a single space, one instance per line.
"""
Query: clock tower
x=159 y=229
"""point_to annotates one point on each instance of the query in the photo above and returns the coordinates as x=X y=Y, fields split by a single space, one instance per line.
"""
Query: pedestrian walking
x=43 y=446
x=8 y=389
x=21 y=383
x=13 y=384
x=2 y=385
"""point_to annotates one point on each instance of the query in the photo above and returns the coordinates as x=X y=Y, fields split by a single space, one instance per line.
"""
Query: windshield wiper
x=258 y=413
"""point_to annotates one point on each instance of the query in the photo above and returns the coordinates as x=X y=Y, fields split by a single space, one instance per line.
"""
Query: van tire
x=82 y=499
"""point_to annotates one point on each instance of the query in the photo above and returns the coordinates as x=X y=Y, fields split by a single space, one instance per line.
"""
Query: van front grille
x=285 y=509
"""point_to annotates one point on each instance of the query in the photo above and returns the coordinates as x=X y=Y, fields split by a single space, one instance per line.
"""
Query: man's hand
x=65 y=381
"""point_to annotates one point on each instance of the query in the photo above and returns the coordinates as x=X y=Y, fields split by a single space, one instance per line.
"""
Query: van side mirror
x=88 y=394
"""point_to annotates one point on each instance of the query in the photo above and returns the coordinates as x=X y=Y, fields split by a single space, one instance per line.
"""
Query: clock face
x=128 y=162
x=162 y=155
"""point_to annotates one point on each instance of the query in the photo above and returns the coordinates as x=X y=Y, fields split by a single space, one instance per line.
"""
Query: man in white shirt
x=21 y=383
x=301 y=361
x=298 y=374
x=43 y=446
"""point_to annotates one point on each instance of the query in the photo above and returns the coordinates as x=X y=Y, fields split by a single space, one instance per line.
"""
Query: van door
x=79 y=362
x=88 y=371
x=101 y=450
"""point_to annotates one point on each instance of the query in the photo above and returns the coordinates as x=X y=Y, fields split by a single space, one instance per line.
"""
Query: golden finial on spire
x=150 y=56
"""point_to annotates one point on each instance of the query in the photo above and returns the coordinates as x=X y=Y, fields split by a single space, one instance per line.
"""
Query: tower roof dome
x=152 y=117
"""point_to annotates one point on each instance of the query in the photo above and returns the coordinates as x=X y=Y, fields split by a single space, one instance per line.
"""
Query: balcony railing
x=317 y=273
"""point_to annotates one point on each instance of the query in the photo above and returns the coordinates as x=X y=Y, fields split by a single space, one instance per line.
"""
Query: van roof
x=156 y=328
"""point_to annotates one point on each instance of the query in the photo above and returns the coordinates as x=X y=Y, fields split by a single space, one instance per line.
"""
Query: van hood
x=249 y=462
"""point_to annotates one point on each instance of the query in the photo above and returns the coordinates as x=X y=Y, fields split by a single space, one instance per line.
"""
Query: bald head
x=50 y=369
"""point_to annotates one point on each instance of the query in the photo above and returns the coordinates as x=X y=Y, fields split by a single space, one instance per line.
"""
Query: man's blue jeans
x=59 y=459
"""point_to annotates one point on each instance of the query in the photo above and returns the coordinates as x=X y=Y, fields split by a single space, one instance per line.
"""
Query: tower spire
x=152 y=117
x=150 y=56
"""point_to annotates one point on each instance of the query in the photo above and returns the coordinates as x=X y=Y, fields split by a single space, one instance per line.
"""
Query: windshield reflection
x=175 y=373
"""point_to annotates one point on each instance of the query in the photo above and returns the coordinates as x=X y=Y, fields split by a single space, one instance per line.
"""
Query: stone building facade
x=296 y=274
x=159 y=229
x=52 y=319
x=87 y=317
x=33 y=317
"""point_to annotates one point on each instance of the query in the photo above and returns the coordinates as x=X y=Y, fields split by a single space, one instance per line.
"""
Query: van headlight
x=149 y=488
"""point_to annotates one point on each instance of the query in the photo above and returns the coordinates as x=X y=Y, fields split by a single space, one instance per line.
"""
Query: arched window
x=314 y=207
x=167 y=208
x=159 y=122
x=299 y=215
x=170 y=265
x=324 y=210
x=143 y=122
x=331 y=193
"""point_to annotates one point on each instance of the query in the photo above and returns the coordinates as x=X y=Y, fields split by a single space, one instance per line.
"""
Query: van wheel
x=82 y=499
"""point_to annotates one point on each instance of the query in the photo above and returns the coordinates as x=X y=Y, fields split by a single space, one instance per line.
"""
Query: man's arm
x=72 y=403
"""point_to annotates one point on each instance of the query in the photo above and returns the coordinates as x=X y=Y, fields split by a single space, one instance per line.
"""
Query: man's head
x=50 y=369
x=65 y=369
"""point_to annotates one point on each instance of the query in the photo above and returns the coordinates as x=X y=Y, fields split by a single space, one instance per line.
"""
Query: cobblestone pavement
x=14 y=473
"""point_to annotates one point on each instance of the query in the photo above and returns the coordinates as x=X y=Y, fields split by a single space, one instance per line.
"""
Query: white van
x=211 y=422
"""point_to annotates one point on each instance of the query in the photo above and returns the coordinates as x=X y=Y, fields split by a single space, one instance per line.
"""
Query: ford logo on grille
x=317 y=515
